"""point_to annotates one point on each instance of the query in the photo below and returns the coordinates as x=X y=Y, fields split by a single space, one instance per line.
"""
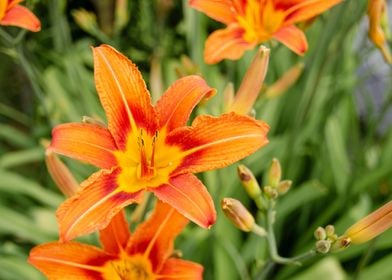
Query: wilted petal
x=92 y=208
x=68 y=260
x=293 y=38
x=176 y=105
x=226 y=43
x=181 y=269
x=190 y=197
x=123 y=94
x=215 y=142
x=21 y=17
x=85 y=142
x=154 y=238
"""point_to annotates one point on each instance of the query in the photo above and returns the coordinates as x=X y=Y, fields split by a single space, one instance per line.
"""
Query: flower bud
x=377 y=13
x=86 y=20
x=320 y=233
x=249 y=181
x=340 y=244
x=284 y=186
x=274 y=173
x=238 y=214
x=285 y=82
x=323 y=246
x=372 y=225
x=60 y=174
x=271 y=192
x=228 y=96
x=251 y=83
x=121 y=15
x=330 y=230
x=91 y=120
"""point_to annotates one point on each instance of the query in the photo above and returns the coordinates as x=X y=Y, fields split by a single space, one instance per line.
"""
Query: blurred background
x=331 y=130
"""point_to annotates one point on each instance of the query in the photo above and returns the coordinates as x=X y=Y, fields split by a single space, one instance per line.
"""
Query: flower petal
x=123 y=94
x=226 y=43
x=115 y=236
x=305 y=10
x=220 y=10
x=215 y=142
x=181 y=269
x=175 y=106
x=21 y=17
x=189 y=196
x=293 y=38
x=70 y=260
x=93 y=206
x=154 y=238
x=85 y=142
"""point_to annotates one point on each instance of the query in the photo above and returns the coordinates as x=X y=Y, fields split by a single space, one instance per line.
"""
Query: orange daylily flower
x=16 y=15
x=144 y=255
x=251 y=22
x=147 y=148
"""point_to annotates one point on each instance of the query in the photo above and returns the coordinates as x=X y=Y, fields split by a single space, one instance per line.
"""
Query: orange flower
x=13 y=14
x=377 y=12
x=144 y=255
x=250 y=22
x=147 y=148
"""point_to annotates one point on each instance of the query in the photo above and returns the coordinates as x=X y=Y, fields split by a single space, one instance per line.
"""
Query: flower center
x=146 y=169
x=260 y=20
x=129 y=268
x=147 y=161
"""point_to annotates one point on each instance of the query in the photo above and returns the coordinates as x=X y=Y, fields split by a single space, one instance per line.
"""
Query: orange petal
x=189 y=196
x=154 y=238
x=222 y=10
x=115 y=236
x=68 y=260
x=123 y=94
x=226 y=44
x=85 y=142
x=305 y=10
x=21 y=17
x=372 y=225
x=181 y=269
x=177 y=103
x=215 y=142
x=93 y=206
x=293 y=38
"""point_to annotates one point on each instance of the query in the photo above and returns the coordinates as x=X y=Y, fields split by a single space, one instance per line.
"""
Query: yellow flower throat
x=147 y=161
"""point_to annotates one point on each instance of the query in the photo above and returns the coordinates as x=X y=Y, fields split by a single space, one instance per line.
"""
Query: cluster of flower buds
x=328 y=240
x=276 y=186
